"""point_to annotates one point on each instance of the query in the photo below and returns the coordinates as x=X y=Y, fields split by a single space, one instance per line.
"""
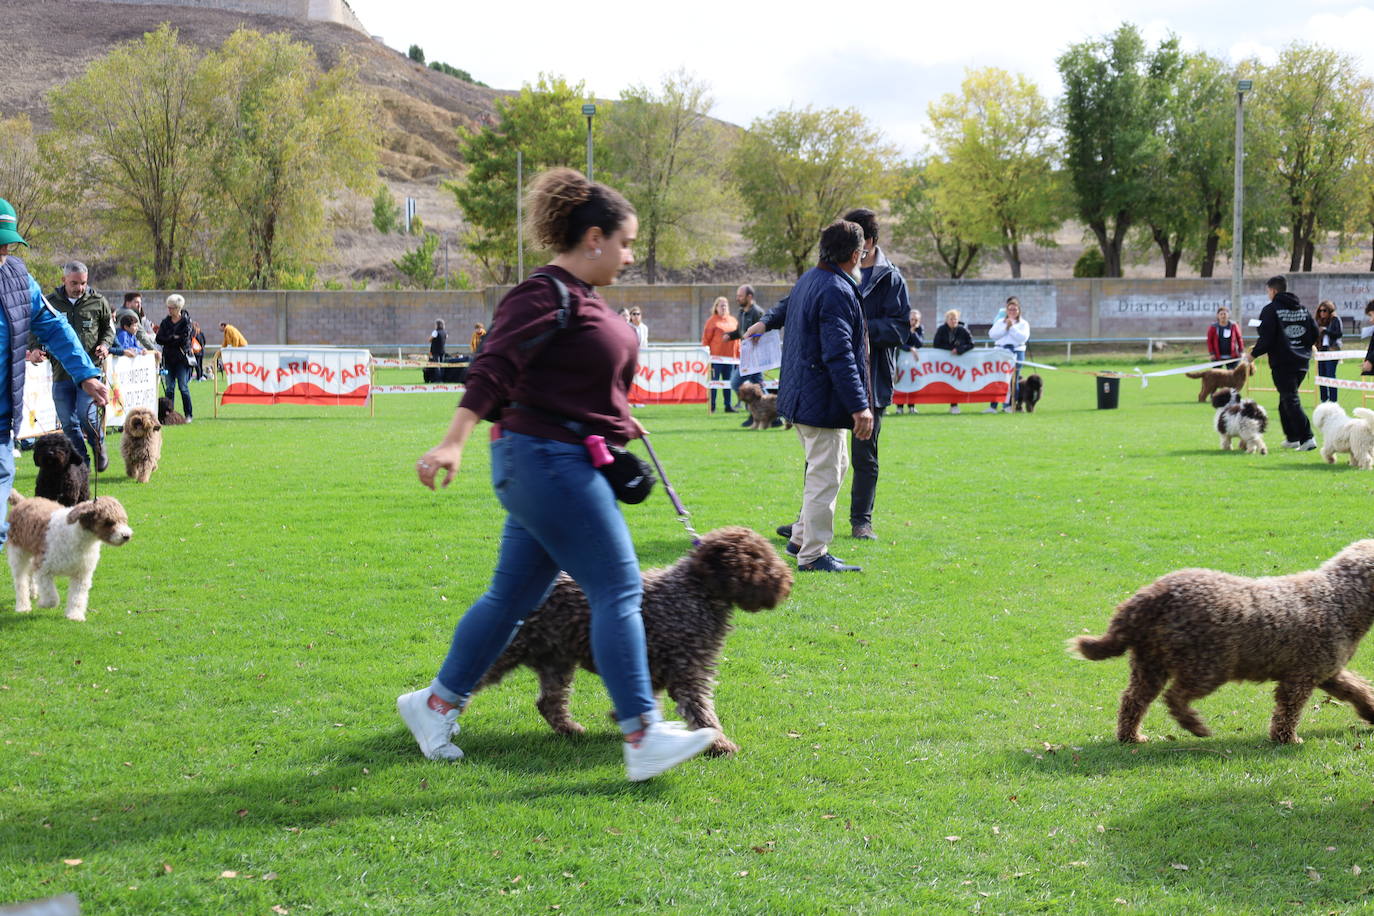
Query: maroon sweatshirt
x=582 y=372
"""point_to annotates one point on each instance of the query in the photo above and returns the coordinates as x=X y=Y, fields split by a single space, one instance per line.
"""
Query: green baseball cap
x=9 y=225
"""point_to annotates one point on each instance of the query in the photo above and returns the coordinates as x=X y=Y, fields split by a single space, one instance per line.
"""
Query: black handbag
x=630 y=476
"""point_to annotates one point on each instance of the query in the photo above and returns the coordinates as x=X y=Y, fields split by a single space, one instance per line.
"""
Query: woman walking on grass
x=553 y=387
x=715 y=337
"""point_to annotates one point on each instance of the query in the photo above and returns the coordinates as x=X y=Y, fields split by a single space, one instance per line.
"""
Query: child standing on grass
x=554 y=385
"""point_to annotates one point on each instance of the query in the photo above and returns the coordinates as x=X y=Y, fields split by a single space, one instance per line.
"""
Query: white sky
x=887 y=58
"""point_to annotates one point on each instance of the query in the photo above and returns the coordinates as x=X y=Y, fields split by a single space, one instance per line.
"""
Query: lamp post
x=1238 y=198
x=589 y=110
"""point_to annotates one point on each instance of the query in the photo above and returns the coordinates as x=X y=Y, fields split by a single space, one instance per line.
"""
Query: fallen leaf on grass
x=829 y=817
x=1355 y=869
x=270 y=876
x=1120 y=900
x=1314 y=874
x=228 y=874
x=1079 y=864
x=741 y=874
x=166 y=869
x=793 y=735
x=952 y=839
x=280 y=910
x=615 y=831
x=242 y=812
x=1179 y=866
x=72 y=862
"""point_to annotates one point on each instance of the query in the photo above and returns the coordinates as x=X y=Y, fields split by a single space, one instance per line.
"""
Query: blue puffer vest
x=15 y=299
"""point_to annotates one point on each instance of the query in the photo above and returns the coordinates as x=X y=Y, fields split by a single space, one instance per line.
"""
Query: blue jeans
x=720 y=372
x=562 y=515
x=77 y=414
x=736 y=379
x=179 y=374
x=6 y=481
x=1327 y=369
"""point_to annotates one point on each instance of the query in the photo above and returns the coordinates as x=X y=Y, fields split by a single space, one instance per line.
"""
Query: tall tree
x=1319 y=112
x=283 y=136
x=797 y=171
x=1113 y=91
x=667 y=156
x=24 y=181
x=135 y=112
x=995 y=138
x=937 y=230
x=544 y=122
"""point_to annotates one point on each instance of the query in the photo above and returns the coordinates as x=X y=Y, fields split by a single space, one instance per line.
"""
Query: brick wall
x=1055 y=308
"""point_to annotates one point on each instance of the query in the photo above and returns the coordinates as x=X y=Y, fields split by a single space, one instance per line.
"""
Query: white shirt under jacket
x=1014 y=337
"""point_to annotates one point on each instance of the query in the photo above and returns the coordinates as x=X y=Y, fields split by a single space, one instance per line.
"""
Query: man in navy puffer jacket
x=825 y=386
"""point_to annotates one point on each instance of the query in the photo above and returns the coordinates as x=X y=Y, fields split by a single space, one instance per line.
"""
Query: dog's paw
x=570 y=727
x=78 y=616
x=1137 y=738
x=722 y=747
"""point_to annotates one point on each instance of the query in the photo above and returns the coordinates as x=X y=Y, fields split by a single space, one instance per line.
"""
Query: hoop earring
x=596 y=253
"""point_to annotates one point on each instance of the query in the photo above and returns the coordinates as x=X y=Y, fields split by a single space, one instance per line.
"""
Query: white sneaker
x=664 y=746
x=1308 y=446
x=433 y=731
x=1288 y=443
x=954 y=408
x=990 y=410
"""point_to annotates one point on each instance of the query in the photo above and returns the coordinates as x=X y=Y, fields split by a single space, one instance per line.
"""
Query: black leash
x=683 y=515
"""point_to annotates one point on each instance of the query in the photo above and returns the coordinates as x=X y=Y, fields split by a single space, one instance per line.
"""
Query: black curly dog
x=63 y=475
x=686 y=610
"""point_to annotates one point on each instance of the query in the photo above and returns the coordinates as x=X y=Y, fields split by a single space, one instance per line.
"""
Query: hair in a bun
x=563 y=205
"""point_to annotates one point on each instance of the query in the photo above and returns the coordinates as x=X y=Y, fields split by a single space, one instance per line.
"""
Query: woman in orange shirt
x=718 y=325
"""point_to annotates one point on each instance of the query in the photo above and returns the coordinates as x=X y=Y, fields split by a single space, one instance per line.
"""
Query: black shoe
x=748 y=422
x=732 y=410
x=785 y=531
x=102 y=458
x=828 y=563
x=793 y=548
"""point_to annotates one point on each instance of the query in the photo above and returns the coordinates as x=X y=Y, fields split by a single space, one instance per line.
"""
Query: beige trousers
x=827 y=459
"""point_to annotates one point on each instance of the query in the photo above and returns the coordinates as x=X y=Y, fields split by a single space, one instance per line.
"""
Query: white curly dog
x=48 y=539
x=1341 y=433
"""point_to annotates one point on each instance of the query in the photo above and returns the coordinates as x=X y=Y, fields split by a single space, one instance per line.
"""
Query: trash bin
x=1108 y=391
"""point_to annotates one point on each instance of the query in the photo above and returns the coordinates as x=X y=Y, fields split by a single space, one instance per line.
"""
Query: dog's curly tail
x=1096 y=648
x=14 y=498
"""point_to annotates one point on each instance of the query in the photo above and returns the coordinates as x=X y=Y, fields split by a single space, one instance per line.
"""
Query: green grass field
x=221 y=736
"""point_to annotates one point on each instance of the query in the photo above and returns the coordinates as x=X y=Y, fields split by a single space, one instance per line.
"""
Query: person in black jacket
x=1329 y=326
x=887 y=309
x=1286 y=334
x=174 y=336
x=953 y=336
x=1367 y=367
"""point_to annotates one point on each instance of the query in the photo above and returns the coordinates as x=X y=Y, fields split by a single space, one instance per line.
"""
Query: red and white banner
x=940 y=377
x=296 y=375
x=132 y=381
x=671 y=375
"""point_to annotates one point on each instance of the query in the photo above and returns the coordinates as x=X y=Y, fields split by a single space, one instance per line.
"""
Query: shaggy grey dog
x=687 y=609
x=1202 y=628
x=63 y=475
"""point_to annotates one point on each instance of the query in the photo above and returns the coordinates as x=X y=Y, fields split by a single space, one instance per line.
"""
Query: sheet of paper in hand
x=759 y=354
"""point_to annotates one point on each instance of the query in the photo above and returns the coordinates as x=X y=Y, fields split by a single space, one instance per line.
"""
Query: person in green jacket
x=90 y=317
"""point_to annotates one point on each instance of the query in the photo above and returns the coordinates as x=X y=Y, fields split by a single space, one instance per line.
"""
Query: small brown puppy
x=686 y=609
x=141 y=444
x=763 y=407
x=1212 y=379
x=1202 y=628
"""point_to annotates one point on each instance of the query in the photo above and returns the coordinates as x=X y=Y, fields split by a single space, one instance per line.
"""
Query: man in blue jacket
x=824 y=388
x=887 y=310
x=24 y=309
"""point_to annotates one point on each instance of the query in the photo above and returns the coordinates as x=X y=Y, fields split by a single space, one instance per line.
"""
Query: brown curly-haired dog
x=1202 y=628
x=141 y=444
x=1212 y=379
x=763 y=407
x=686 y=610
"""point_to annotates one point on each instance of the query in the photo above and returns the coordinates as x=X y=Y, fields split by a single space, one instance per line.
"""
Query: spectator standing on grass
x=552 y=388
x=1367 y=367
x=641 y=329
x=1010 y=332
x=1223 y=339
x=198 y=350
x=825 y=388
x=23 y=309
x=749 y=314
x=886 y=308
x=174 y=335
x=954 y=337
x=91 y=318
x=1286 y=333
x=716 y=337
x=438 y=339
x=479 y=334
x=916 y=339
x=1328 y=340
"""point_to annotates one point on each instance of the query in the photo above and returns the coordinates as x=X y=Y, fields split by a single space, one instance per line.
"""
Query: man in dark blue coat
x=824 y=388
x=887 y=310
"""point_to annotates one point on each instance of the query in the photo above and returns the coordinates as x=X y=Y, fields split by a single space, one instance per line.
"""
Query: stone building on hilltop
x=312 y=10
